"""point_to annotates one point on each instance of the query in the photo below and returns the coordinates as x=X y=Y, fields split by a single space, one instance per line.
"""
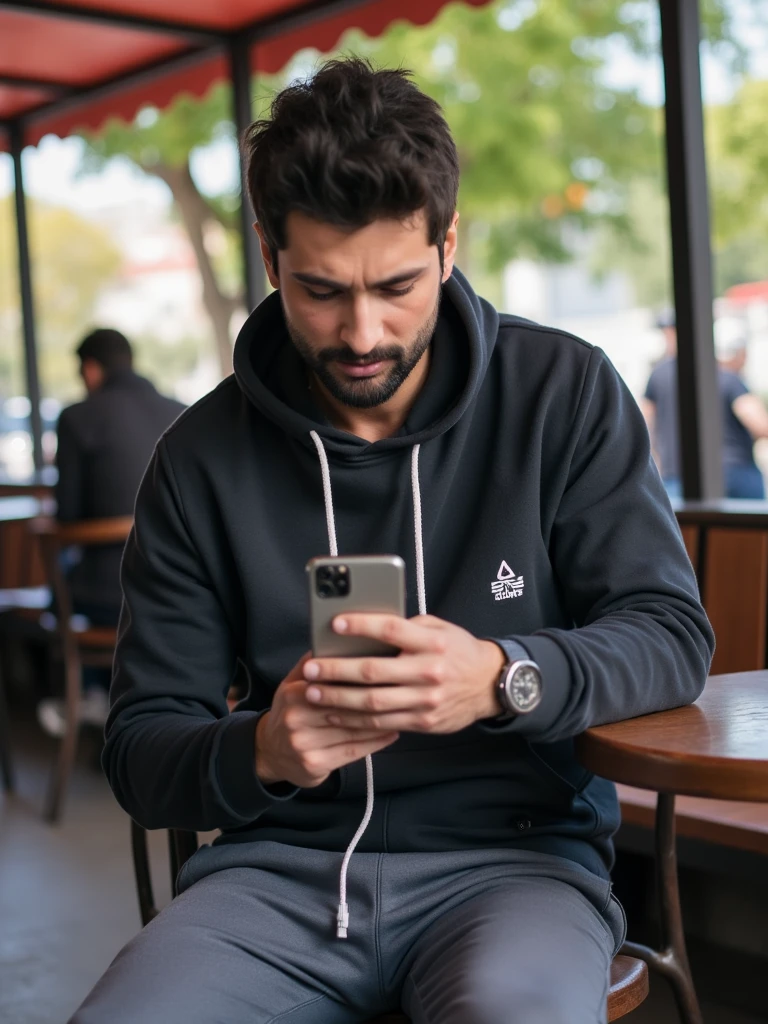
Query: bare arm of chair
x=85 y=533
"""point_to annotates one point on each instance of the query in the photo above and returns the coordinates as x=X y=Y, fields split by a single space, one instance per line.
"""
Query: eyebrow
x=325 y=282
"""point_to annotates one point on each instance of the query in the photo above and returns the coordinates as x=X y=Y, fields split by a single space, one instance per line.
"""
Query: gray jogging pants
x=472 y=937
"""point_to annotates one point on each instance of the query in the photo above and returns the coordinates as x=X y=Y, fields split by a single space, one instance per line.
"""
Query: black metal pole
x=701 y=430
x=16 y=136
x=253 y=265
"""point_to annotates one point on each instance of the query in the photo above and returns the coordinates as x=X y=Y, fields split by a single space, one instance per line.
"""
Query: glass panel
x=735 y=86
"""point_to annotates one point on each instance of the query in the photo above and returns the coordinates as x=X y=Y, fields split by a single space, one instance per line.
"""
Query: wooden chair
x=6 y=762
x=629 y=976
x=22 y=589
x=93 y=646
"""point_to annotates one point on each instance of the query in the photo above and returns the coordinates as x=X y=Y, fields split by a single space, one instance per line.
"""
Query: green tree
x=642 y=252
x=737 y=145
x=544 y=142
x=73 y=259
x=161 y=144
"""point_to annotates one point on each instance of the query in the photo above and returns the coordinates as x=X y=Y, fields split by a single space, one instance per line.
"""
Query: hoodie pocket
x=556 y=764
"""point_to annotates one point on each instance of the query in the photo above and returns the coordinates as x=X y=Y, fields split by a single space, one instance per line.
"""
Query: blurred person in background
x=104 y=445
x=745 y=418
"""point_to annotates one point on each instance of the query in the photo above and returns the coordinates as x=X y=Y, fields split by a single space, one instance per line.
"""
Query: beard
x=364 y=392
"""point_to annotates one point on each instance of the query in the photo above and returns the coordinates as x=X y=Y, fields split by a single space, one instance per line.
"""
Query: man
x=378 y=401
x=104 y=446
x=745 y=419
x=744 y=416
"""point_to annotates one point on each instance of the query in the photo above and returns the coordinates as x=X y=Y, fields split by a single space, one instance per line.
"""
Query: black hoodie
x=534 y=462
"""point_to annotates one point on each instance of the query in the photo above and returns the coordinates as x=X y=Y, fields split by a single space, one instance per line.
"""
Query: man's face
x=92 y=374
x=361 y=306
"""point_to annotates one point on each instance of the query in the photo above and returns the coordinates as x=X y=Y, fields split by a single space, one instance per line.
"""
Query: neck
x=383 y=420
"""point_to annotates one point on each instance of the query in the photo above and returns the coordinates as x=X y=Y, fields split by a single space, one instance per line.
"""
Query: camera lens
x=342 y=586
x=325 y=588
x=325 y=572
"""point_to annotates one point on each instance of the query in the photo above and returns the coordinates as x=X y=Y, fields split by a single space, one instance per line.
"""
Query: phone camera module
x=332 y=581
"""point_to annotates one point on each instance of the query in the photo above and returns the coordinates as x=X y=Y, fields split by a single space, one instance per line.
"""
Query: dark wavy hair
x=108 y=347
x=352 y=145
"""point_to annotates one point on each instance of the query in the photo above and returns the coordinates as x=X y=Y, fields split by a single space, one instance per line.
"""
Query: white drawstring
x=325 y=469
x=342 y=917
x=417 y=529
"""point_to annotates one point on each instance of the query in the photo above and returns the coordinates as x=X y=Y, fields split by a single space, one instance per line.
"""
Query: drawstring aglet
x=342 y=921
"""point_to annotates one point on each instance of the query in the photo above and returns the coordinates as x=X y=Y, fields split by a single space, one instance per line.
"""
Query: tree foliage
x=548 y=147
x=542 y=139
x=73 y=259
x=738 y=164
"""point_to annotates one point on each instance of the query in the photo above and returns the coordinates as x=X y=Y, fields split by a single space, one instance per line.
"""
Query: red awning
x=68 y=65
x=752 y=291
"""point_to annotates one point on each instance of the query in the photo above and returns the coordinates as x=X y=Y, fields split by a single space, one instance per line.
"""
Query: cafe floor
x=67 y=899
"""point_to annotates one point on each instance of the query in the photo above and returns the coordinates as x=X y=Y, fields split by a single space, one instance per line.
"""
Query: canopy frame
x=700 y=430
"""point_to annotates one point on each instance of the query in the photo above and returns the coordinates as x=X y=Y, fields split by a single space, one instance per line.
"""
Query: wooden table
x=715 y=748
x=39 y=484
x=21 y=563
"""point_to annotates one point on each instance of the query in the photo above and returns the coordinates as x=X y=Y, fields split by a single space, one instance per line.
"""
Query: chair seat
x=629 y=987
x=97 y=636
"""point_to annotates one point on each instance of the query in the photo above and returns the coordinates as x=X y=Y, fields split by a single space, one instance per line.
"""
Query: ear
x=449 y=249
x=266 y=255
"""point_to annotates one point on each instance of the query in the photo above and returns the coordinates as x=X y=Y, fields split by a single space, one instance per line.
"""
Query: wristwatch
x=519 y=688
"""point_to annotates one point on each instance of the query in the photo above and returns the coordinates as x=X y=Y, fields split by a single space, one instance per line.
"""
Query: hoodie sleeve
x=642 y=641
x=174 y=756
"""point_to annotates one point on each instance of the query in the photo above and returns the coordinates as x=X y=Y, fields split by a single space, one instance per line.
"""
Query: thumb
x=297 y=672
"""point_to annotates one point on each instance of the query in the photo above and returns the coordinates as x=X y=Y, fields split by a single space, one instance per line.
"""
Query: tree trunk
x=194 y=213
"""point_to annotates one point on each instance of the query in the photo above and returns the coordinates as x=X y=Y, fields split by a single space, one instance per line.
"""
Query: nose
x=362 y=329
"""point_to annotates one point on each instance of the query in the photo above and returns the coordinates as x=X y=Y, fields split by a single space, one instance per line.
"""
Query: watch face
x=525 y=687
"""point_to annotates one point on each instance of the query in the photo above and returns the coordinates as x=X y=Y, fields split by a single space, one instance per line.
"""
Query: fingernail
x=311 y=670
x=340 y=625
x=314 y=694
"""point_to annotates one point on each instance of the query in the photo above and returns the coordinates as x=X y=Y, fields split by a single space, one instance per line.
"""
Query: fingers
x=324 y=738
x=372 y=699
x=317 y=763
x=422 y=633
x=405 y=668
x=348 y=753
x=419 y=720
x=297 y=672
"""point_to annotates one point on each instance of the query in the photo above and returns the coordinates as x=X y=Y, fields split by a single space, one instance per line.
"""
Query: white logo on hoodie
x=507 y=584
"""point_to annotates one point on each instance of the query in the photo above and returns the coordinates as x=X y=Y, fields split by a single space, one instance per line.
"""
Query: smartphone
x=357 y=583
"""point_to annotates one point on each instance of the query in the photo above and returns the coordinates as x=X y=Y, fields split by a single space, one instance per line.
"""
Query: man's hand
x=445 y=677
x=295 y=742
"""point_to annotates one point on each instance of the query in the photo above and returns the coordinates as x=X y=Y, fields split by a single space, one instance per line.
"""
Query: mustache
x=346 y=355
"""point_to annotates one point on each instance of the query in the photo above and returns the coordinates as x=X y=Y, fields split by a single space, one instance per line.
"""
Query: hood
x=265 y=364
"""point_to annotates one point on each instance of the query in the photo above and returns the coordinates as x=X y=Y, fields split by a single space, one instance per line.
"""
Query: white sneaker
x=93 y=710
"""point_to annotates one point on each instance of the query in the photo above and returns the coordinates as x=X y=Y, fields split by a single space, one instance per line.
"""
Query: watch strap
x=513 y=650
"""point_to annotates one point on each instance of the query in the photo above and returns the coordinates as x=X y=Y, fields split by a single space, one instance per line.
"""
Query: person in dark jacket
x=744 y=417
x=104 y=446
x=378 y=405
